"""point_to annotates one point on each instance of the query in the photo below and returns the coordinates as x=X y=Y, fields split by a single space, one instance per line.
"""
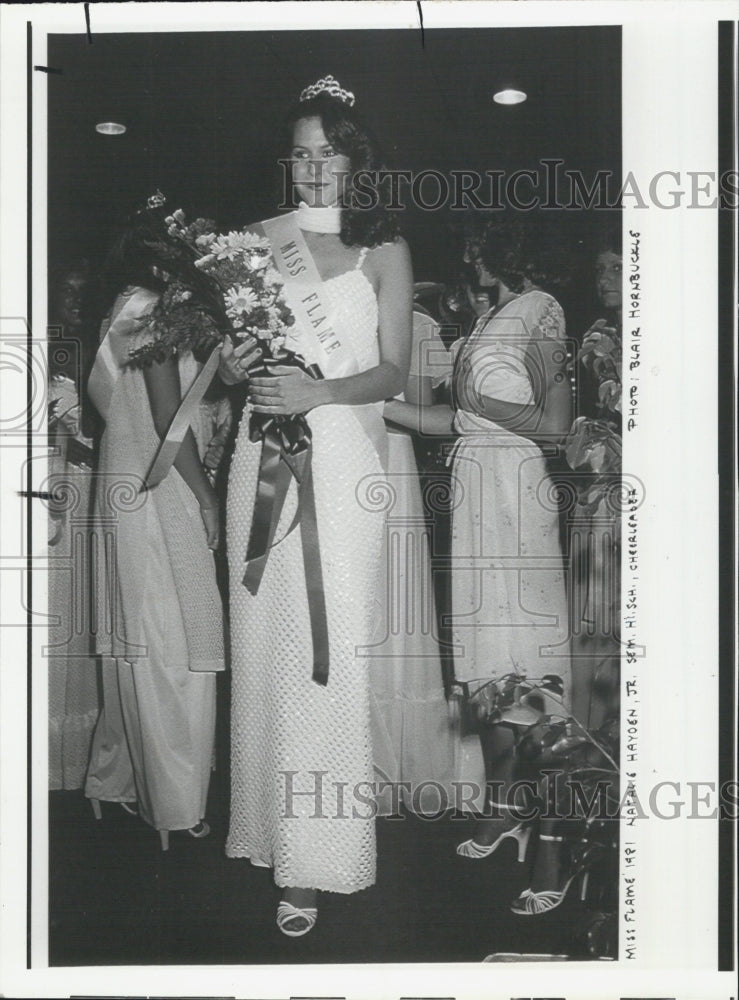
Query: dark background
x=204 y=110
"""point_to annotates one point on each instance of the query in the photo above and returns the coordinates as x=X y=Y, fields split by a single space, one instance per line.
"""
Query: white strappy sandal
x=520 y=833
x=286 y=912
x=534 y=904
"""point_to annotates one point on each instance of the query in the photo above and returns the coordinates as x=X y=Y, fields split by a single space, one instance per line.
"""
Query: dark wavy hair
x=534 y=247
x=349 y=136
x=142 y=248
x=77 y=267
x=61 y=270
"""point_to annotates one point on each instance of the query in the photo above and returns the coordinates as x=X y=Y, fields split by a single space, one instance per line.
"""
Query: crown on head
x=328 y=85
x=156 y=200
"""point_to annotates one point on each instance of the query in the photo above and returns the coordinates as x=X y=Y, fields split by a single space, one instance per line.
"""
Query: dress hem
x=280 y=881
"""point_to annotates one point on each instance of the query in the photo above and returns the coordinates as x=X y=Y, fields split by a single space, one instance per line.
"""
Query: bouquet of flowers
x=512 y=699
x=221 y=284
x=601 y=353
x=593 y=445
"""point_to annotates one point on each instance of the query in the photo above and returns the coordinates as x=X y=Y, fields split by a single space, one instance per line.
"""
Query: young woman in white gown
x=301 y=761
x=160 y=620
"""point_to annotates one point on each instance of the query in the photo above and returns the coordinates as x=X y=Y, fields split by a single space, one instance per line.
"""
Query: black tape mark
x=48 y=69
x=420 y=18
x=87 y=24
x=37 y=495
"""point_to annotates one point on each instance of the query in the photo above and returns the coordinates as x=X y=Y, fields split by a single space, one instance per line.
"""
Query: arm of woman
x=430 y=363
x=547 y=419
x=163 y=389
x=433 y=421
x=548 y=358
x=291 y=391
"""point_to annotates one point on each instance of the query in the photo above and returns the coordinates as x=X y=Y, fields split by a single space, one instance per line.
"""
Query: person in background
x=594 y=450
x=153 y=747
x=511 y=403
x=73 y=680
x=412 y=735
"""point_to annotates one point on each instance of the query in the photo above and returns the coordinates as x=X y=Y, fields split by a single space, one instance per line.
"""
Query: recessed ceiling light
x=110 y=128
x=509 y=97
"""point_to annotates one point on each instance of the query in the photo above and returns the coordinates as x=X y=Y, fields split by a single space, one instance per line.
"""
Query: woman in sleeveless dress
x=511 y=404
x=301 y=797
x=160 y=620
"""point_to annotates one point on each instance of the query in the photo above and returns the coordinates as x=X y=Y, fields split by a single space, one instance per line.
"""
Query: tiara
x=328 y=85
x=156 y=200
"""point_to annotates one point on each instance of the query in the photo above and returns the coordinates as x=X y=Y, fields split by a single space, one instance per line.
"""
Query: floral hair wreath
x=328 y=85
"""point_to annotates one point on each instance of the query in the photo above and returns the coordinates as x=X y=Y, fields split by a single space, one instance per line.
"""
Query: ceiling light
x=110 y=128
x=509 y=97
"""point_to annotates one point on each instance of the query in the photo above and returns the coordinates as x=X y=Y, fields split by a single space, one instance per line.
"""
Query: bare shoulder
x=391 y=261
x=392 y=254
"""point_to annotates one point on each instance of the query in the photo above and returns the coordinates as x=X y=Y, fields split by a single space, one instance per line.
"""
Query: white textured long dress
x=301 y=753
x=509 y=603
x=412 y=733
x=160 y=626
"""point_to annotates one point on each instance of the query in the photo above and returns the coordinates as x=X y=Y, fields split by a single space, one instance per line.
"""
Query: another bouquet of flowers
x=593 y=445
x=512 y=699
x=601 y=353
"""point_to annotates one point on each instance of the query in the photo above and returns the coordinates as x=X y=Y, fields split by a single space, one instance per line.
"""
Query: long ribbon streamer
x=314 y=580
x=275 y=476
x=172 y=441
x=276 y=470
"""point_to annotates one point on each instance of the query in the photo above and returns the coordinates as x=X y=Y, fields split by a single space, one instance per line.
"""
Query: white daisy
x=240 y=300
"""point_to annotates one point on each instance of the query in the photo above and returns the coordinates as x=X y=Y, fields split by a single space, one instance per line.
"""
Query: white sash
x=314 y=337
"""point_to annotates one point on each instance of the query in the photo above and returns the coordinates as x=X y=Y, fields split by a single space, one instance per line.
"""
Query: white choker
x=319 y=220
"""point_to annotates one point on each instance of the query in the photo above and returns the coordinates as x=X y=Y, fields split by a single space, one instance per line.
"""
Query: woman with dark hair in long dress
x=511 y=402
x=160 y=629
x=301 y=796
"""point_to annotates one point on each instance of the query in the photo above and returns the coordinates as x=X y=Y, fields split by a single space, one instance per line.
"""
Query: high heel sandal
x=520 y=833
x=534 y=904
x=129 y=807
x=198 y=831
x=287 y=912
